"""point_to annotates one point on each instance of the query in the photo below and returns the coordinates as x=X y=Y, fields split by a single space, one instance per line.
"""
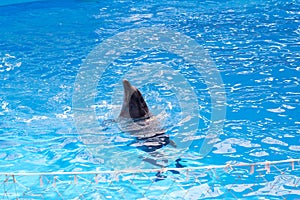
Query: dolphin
x=136 y=119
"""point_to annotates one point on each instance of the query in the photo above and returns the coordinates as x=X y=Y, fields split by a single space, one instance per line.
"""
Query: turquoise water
x=254 y=45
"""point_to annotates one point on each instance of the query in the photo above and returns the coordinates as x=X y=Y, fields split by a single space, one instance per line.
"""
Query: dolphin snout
x=128 y=88
x=126 y=83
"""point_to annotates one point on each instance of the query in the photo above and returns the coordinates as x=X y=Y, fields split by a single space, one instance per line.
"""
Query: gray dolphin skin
x=134 y=105
x=136 y=119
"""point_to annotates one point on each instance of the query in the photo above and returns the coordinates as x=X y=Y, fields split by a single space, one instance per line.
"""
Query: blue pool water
x=255 y=46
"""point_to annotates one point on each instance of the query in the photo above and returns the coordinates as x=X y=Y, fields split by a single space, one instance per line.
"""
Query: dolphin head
x=150 y=136
x=134 y=105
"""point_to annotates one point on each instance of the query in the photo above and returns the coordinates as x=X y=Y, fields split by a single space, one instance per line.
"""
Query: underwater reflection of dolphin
x=136 y=119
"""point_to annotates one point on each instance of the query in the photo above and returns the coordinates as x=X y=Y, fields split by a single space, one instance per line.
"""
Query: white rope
x=267 y=164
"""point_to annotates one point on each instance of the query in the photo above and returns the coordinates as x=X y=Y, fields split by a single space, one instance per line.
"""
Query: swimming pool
x=45 y=47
